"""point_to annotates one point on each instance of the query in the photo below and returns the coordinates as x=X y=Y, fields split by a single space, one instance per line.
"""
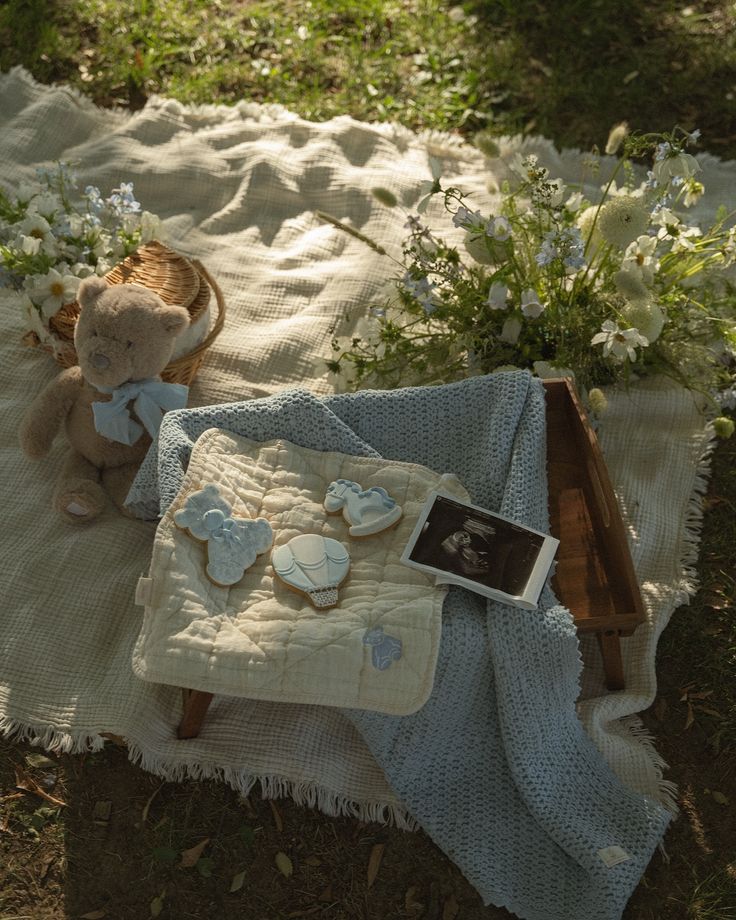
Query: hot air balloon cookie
x=312 y=565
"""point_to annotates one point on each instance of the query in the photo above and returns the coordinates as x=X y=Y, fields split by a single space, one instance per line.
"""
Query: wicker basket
x=177 y=281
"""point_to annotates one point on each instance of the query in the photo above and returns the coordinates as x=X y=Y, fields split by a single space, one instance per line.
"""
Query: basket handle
x=218 y=324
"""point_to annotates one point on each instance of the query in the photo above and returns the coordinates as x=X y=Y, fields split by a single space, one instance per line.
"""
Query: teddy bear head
x=124 y=332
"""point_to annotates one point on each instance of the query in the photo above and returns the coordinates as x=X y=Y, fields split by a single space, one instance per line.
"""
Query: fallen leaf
x=284 y=864
x=413 y=907
x=451 y=908
x=326 y=895
x=632 y=75
x=700 y=695
x=312 y=861
x=117 y=740
x=46 y=865
x=374 y=862
x=248 y=806
x=204 y=866
x=147 y=806
x=28 y=784
x=157 y=904
x=237 y=882
x=690 y=716
x=39 y=760
x=94 y=915
x=276 y=816
x=101 y=813
x=720 y=798
x=660 y=708
x=190 y=857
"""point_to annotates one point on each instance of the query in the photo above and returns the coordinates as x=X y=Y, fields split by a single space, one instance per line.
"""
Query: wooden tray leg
x=196 y=703
x=613 y=665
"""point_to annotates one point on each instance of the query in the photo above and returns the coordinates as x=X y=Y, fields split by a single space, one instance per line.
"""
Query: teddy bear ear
x=90 y=289
x=174 y=319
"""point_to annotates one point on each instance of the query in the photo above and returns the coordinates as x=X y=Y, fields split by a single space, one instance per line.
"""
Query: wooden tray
x=595 y=575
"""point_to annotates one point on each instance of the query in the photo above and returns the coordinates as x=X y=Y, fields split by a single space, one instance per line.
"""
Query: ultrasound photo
x=474 y=545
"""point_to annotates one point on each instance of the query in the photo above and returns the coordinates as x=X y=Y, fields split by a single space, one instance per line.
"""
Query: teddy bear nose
x=99 y=361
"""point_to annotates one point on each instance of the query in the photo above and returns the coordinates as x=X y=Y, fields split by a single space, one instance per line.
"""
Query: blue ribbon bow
x=220 y=528
x=152 y=398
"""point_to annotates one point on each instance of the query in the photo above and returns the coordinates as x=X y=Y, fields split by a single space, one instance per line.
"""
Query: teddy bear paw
x=80 y=505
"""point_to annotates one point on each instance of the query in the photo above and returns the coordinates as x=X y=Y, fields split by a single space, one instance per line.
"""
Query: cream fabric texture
x=261 y=639
x=238 y=188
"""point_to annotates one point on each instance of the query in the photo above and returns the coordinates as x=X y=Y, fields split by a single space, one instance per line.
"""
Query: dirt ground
x=72 y=863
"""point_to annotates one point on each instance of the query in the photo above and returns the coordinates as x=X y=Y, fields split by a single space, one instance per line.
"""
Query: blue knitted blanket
x=496 y=767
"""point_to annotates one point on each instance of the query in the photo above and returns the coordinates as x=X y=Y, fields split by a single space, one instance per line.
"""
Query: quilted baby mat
x=258 y=637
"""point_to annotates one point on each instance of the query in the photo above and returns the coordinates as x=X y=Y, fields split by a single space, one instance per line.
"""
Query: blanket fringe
x=694 y=513
x=310 y=795
x=693 y=525
x=642 y=736
x=50 y=738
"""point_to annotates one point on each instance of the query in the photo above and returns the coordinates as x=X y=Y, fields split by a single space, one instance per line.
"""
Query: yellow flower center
x=640 y=258
x=57 y=289
x=37 y=233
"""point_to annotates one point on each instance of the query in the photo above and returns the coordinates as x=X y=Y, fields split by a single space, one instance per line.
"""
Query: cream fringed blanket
x=238 y=188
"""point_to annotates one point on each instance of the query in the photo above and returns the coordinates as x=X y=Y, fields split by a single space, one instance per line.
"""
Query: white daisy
x=52 y=290
x=685 y=240
x=674 y=165
x=28 y=245
x=37 y=227
x=32 y=318
x=47 y=205
x=621 y=343
x=639 y=258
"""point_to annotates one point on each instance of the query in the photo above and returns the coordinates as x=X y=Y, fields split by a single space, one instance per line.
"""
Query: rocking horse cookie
x=367 y=511
x=232 y=544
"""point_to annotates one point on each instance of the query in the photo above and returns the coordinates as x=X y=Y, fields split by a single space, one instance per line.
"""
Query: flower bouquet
x=51 y=237
x=604 y=290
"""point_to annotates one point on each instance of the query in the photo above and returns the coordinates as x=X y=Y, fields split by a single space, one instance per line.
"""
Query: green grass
x=568 y=70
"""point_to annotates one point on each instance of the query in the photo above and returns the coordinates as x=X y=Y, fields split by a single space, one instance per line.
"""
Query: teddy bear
x=112 y=403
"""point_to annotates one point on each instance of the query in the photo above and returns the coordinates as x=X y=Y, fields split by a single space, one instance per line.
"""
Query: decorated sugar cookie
x=367 y=511
x=232 y=543
x=312 y=565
